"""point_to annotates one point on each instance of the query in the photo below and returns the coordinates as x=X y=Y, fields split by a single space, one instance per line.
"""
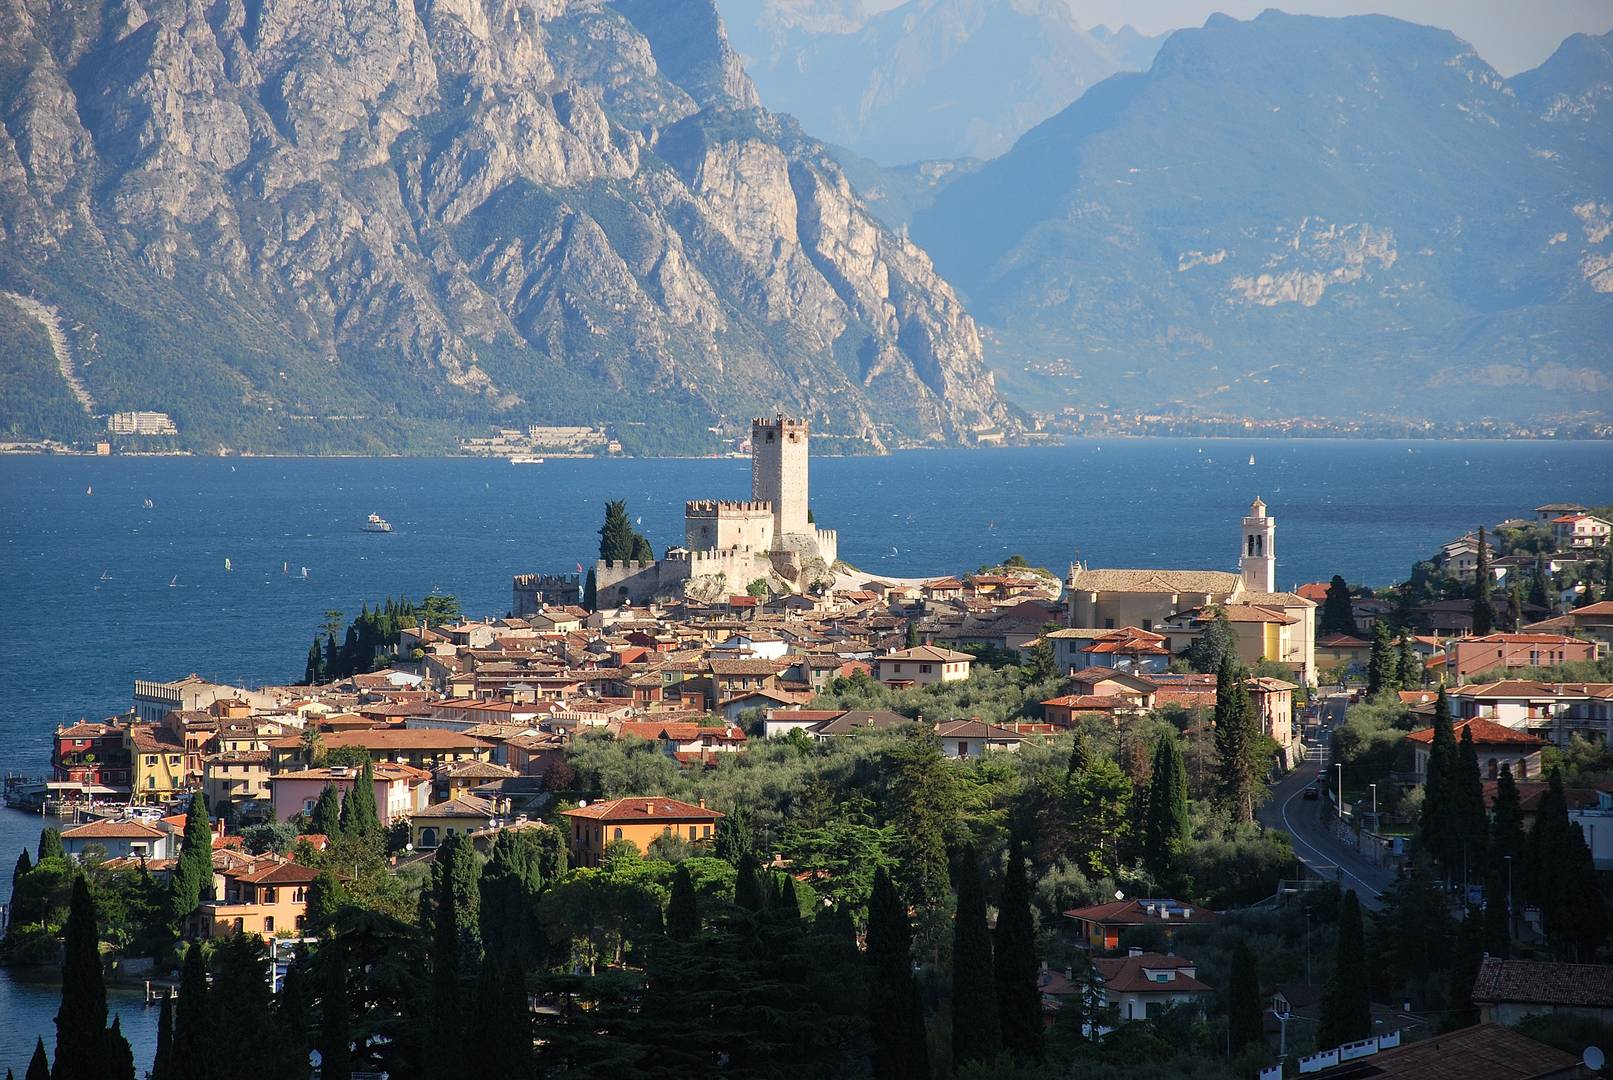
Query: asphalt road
x=1314 y=842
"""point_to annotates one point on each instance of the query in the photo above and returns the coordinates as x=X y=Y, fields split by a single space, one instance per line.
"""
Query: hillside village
x=784 y=738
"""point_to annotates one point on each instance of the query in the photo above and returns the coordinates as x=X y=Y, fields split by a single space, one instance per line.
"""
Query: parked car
x=1313 y=792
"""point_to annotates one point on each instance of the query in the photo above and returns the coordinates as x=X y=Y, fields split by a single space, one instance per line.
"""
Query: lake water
x=104 y=590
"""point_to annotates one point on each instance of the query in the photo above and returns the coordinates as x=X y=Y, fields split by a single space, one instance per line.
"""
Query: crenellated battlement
x=706 y=508
x=779 y=423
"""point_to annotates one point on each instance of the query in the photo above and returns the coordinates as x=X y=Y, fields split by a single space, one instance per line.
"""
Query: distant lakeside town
x=748 y=744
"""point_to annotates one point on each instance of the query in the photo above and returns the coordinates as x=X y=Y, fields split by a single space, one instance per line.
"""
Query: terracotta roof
x=975 y=729
x=476 y=770
x=1129 y=974
x=1155 y=581
x=389 y=739
x=745 y=667
x=112 y=830
x=1482 y=1052
x=279 y=873
x=1096 y=702
x=1537 y=982
x=466 y=806
x=927 y=652
x=1485 y=733
x=1342 y=641
x=1142 y=912
x=643 y=808
x=856 y=720
x=676 y=732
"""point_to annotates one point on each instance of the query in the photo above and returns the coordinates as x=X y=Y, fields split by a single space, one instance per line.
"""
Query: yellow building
x=639 y=820
x=235 y=776
x=156 y=763
x=922 y=665
x=268 y=898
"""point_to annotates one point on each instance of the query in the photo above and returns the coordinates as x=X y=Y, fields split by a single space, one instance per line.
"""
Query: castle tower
x=1257 y=558
x=778 y=472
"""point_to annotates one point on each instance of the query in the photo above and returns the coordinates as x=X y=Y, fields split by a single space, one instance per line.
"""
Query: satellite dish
x=1594 y=1058
x=1121 y=896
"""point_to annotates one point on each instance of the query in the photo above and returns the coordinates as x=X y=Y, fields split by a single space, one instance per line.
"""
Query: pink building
x=1467 y=657
x=400 y=790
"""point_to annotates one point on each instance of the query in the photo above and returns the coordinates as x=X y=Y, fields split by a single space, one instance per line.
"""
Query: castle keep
x=727 y=545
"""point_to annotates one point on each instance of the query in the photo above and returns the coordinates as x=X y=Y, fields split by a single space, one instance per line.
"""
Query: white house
x=1142 y=984
x=971 y=738
x=118 y=839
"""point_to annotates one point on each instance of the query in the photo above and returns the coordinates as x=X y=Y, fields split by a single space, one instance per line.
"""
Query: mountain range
x=374 y=224
x=1302 y=215
x=925 y=79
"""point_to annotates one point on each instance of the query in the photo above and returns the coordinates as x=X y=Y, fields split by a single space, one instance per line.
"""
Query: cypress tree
x=1019 y=999
x=590 y=591
x=1465 y=966
x=23 y=910
x=1080 y=754
x=335 y=1044
x=192 y=879
x=1346 y=1006
x=1409 y=668
x=38 y=1065
x=1497 y=931
x=1245 y=1014
x=1471 y=818
x=926 y=805
x=193 y=1040
x=1235 y=742
x=1382 y=663
x=1483 y=606
x=359 y=816
x=1583 y=914
x=502 y=1024
x=1165 y=817
x=1514 y=608
x=313 y=672
x=1338 y=615
x=732 y=840
x=683 y=907
x=81 y=1035
x=326 y=818
x=901 y=1051
x=333 y=658
x=456 y=953
x=1539 y=590
x=976 y=1034
x=1438 y=830
x=616 y=536
x=119 y=1057
x=50 y=845
x=749 y=888
x=162 y=1065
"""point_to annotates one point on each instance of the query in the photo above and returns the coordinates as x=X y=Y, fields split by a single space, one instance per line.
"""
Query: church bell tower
x=1257 y=558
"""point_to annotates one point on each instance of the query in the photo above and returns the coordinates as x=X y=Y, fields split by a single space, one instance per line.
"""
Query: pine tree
x=683 y=907
x=38 y=1065
x=81 y=1035
x=326 y=819
x=1019 y=1000
x=732 y=840
x=192 y=878
x=50 y=845
x=1439 y=830
x=1214 y=645
x=901 y=1051
x=1483 y=606
x=976 y=1035
x=193 y=1037
x=1236 y=734
x=1472 y=821
x=1338 y=615
x=1382 y=663
x=162 y=1066
x=359 y=816
x=1346 y=1005
x=1245 y=1014
x=616 y=536
x=1165 y=817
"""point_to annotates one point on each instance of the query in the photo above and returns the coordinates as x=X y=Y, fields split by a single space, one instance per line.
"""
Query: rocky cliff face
x=355 y=219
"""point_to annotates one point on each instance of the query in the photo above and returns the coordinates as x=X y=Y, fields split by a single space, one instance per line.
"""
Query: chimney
x=701 y=802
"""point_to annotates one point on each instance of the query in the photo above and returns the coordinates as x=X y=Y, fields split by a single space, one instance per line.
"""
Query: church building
x=1178 y=604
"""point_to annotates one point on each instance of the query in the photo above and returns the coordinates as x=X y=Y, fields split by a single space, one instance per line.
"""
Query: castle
x=728 y=545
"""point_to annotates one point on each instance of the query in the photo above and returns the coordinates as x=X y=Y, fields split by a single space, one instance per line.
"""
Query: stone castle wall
x=709 y=525
x=531 y=593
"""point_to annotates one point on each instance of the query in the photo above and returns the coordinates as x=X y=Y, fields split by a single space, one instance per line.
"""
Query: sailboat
x=149 y=504
x=89 y=491
x=106 y=576
x=305 y=573
x=174 y=582
x=227 y=566
x=1251 y=459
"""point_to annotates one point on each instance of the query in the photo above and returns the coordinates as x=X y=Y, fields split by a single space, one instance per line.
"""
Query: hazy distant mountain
x=926 y=79
x=1305 y=215
x=371 y=223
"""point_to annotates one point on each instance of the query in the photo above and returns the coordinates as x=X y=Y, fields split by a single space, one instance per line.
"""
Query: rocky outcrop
x=418 y=216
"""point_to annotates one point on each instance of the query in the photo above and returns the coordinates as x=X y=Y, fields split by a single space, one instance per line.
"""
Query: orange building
x=267 y=897
x=639 y=819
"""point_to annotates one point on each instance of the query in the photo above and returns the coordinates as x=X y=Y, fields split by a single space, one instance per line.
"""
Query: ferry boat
x=525 y=459
x=377 y=523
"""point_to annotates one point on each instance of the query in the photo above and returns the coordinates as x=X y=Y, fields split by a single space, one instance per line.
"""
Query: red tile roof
x=1485 y=733
x=1583 y=986
x=643 y=808
x=112 y=830
x=1129 y=974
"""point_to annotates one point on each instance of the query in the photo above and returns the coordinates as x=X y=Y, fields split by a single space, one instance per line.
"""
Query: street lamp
x=1339 y=765
x=1374 y=788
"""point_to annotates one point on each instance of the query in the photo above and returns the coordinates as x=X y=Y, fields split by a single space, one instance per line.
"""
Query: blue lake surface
x=1364 y=509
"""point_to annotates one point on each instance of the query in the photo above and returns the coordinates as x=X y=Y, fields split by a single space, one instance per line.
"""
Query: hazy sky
x=1513 y=35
